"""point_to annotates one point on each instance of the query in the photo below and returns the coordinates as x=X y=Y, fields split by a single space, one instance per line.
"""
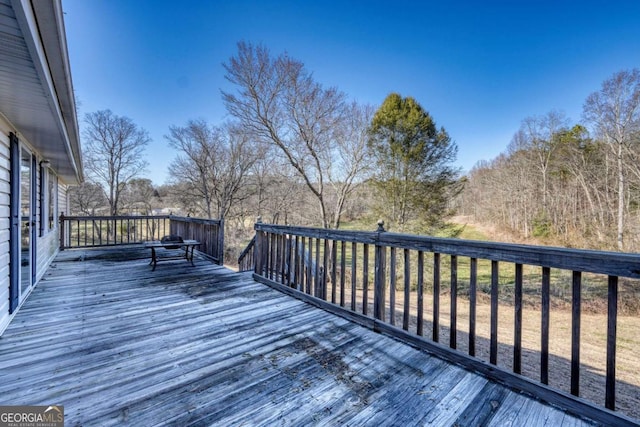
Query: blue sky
x=478 y=67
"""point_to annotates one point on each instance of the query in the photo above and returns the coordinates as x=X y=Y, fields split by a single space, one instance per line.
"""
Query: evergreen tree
x=414 y=176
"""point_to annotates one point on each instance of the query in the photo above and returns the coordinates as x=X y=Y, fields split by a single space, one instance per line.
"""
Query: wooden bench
x=185 y=248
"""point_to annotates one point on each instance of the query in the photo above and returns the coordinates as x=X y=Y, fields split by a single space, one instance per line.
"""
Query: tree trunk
x=620 y=198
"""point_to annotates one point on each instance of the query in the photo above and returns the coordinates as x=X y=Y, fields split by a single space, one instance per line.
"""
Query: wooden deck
x=117 y=344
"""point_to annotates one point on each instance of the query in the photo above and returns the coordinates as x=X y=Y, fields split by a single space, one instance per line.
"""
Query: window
x=48 y=200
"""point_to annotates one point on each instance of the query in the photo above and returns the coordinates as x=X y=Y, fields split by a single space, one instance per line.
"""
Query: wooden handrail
x=245 y=259
x=101 y=230
x=279 y=263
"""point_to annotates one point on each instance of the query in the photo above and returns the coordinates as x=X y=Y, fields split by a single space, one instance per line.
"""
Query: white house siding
x=4 y=225
x=47 y=245
x=63 y=200
x=47 y=250
x=37 y=104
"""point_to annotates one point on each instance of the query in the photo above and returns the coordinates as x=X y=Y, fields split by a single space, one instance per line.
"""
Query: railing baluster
x=353 y=275
x=517 y=323
x=420 y=290
x=267 y=254
x=310 y=268
x=436 y=297
x=365 y=279
x=275 y=248
x=296 y=262
x=318 y=273
x=406 y=309
x=324 y=273
x=379 y=283
x=453 y=323
x=279 y=259
x=493 y=345
x=343 y=266
x=303 y=266
x=272 y=255
x=284 y=261
x=576 y=291
x=289 y=258
x=473 y=282
x=392 y=286
x=334 y=265
x=612 y=319
x=544 y=329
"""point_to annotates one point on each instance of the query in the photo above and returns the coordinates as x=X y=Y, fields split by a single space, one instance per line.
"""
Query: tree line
x=294 y=151
x=576 y=184
x=297 y=152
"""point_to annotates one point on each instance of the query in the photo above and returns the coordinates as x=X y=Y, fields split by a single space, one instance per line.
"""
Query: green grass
x=469 y=232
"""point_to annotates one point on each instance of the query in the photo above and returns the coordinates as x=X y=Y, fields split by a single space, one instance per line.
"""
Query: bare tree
x=113 y=152
x=280 y=103
x=276 y=190
x=213 y=163
x=87 y=199
x=614 y=112
x=538 y=133
x=352 y=160
x=139 y=196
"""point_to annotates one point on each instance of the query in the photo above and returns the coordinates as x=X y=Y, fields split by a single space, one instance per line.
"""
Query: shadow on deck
x=118 y=344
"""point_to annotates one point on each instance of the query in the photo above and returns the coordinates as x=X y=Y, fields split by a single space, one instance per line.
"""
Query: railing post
x=612 y=319
x=62 y=232
x=379 y=286
x=221 y=241
x=257 y=249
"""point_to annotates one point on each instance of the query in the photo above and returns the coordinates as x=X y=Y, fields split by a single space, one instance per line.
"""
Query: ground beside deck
x=118 y=344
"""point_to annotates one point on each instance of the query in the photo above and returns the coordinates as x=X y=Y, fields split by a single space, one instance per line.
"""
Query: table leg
x=154 y=260
x=190 y=256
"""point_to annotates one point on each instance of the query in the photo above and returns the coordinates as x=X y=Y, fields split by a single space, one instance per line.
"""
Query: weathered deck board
x=117 y=344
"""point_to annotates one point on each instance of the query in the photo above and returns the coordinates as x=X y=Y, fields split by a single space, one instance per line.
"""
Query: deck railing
x=209 y=232
x=383 y=280
x=95 y=231
x=246 y=261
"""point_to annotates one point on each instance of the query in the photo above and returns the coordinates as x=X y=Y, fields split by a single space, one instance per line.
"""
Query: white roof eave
x=39 y=100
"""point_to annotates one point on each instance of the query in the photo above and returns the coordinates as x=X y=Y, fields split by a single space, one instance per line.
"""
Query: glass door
x=26 y=220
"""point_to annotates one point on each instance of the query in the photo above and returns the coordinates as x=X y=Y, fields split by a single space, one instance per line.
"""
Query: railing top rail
x=109 y=217
x=196 y=220
x=247 y=249
x=600 y=262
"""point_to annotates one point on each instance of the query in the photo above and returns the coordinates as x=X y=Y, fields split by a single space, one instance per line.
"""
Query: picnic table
x=171 y=243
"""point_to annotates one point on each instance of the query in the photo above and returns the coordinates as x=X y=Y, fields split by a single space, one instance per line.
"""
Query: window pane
x=52 y=199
